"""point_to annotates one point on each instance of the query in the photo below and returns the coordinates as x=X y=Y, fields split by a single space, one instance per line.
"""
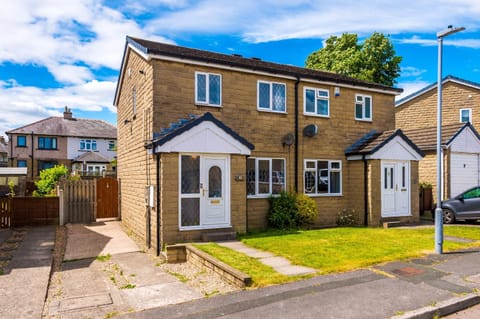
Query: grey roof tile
x=59 y=126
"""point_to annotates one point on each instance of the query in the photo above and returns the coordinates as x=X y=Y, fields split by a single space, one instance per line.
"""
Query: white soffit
x=396 y=149
x=13 y=171
x=205 y=137
x=465 y=142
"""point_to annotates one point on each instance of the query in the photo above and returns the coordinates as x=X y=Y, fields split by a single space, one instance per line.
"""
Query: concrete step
x=393 y=223
x=219 y=236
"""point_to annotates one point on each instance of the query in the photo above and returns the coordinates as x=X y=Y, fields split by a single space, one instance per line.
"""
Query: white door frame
x=395 y=188
x=214 y=209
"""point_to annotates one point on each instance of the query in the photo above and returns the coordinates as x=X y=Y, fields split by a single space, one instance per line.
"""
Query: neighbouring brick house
x=86 y=145
x=204 y=139
x=416 y=115
x=3 y=152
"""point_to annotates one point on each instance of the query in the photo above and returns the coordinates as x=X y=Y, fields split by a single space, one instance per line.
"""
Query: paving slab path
x=280 y=264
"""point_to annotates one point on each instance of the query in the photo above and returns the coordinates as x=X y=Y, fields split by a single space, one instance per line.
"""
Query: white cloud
x=411 y=71
x=411 y=87
x=59 y=33
x=267 y=20
x=20 y=105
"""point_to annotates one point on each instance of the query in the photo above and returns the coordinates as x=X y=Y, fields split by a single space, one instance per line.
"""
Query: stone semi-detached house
x=204 y=139
x=416 y=115
x=83 y=145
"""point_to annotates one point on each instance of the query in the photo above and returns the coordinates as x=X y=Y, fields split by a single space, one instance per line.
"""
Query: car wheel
x=448 y=216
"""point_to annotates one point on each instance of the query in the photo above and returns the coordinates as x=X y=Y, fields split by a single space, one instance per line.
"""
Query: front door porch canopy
x=389 y=145
x=202 y=134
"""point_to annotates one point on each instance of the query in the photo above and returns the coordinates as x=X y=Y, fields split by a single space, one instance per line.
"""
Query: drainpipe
x=33 y=162
x=10 y=137
x=296 y=132
x=365 y=190
x=158 y=210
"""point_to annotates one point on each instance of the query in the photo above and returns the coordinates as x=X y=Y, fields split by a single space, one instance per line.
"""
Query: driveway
x=105 y=274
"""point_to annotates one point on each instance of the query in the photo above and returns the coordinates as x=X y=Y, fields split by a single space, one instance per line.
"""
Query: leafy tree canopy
x=374 y=60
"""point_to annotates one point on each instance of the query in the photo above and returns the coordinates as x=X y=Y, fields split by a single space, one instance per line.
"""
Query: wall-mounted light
x=141 y=72
x=126 y=122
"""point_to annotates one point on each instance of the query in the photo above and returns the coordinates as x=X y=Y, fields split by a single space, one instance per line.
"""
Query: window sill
x=209 y=105
x=188 y=228
x=364 y=120
x=324 y=195
x=270 y=111
x=263 y=196
x=316 y=115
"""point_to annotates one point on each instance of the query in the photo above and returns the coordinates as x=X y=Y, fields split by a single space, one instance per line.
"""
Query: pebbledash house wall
x=165 y=93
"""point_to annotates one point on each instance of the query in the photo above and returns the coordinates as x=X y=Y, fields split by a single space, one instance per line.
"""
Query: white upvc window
x=465 y=115
x=88 y=145
x=208 y=89
x=363 y=107
x=322 y=177
x=265 y=176
x=316 y=102
x=271 y=96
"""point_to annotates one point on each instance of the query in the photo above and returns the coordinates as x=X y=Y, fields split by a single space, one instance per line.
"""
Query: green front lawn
x=339 y=249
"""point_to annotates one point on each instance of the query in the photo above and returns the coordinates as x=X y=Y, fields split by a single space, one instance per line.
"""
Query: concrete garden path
x=280 y=264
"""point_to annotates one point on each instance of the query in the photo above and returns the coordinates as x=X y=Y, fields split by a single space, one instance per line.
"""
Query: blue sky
x=57 y=53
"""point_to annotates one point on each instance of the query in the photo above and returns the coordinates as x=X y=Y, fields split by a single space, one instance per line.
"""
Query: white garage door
x=464 y=172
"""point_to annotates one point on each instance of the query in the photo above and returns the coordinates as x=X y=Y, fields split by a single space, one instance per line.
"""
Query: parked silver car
x=465 y=206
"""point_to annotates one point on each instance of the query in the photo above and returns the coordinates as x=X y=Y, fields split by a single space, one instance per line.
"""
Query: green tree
x=374 y=60
x=48 y=180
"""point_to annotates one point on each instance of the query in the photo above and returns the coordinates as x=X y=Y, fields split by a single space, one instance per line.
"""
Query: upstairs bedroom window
x=88 y=145
x=317 y=102
x=271 y=96
x=112 y=146
x=208 y=89
x=21 y=141
x=363 y=107
x=47 y=143
x=466 y=115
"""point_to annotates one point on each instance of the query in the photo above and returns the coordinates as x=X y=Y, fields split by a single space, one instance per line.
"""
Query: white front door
x=214 y=192
x=204 y=200
x=395 y=179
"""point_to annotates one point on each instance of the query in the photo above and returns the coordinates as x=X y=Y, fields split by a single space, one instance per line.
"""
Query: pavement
x=105 y=275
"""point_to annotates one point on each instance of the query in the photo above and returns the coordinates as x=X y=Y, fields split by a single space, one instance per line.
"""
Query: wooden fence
x=5 y=213
x=19 y=211
x=77 y=201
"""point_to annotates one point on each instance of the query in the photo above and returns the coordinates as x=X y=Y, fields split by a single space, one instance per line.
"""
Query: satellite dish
x=288 y=139
x=310 y=130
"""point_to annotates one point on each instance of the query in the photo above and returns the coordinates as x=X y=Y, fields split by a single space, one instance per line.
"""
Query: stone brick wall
x=135 y=168
x=422 y=111
x=166 y=93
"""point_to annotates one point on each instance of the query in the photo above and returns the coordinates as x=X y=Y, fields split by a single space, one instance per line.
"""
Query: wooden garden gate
x=107 y=198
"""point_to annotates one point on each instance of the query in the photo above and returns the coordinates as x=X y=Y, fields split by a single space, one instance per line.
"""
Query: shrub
x=307 y=209
x=48 y=180
x=283 y=212
x=344 y=218
x=290 y=210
